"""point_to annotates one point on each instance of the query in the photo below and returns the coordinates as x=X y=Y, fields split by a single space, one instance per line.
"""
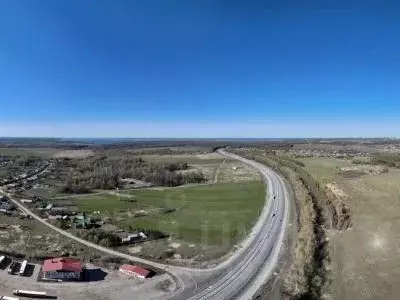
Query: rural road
x=245 y=271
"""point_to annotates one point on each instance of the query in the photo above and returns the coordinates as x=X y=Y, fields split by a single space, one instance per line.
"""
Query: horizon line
x=197 y=138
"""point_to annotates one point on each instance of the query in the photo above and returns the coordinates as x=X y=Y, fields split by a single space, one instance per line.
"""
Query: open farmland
x=184 y=212
x=365 y=258
x=204 y=217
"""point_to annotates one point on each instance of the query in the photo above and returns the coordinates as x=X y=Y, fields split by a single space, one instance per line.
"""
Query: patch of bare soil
x=134 y=249
x=74 y=153
x=235 y=171
x=338 y=198
x=212 y=155
x=337 y=192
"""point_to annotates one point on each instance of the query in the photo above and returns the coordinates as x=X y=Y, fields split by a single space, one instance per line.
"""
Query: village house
x=62 y=268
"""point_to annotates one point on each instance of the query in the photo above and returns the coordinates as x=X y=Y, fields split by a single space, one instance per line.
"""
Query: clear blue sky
x=186 y=68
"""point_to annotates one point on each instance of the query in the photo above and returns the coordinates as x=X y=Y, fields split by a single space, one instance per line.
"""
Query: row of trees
x=104 y=172
x=101 y=237
x=108 y=239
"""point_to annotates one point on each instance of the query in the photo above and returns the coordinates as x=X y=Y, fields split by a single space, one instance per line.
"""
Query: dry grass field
x=365 y=259
x=27 y=237
x=74 y=154
x=235 y=171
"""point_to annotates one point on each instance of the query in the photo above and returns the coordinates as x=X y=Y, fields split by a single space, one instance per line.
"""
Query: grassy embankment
x=307 y=277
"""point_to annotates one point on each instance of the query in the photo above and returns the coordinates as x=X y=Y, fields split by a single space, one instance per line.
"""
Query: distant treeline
x=138 y=144
x=152 y=143
x=106 y=172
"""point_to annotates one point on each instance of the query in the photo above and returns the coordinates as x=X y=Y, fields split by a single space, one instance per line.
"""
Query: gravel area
x=115 y=285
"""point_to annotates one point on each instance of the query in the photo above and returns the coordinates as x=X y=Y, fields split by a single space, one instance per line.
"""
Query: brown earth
x=74 y=154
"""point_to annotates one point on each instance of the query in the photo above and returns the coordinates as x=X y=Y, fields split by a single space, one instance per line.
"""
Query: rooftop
x=62 y=264
x=141 y=272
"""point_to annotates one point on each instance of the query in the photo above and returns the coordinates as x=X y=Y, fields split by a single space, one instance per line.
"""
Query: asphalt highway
x=245 y=271
x=251 y=268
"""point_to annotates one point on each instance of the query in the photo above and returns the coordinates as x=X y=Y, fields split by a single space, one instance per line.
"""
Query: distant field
x=173 y=150
x=74 y=153
x=235 y=171
x=366 y=258
x=210 y=214
x=208 y=163
x=41 y=152
x=199 y=159
x=325 y=169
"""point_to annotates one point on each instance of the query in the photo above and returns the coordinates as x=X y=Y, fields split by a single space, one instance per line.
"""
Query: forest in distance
x=105 y=172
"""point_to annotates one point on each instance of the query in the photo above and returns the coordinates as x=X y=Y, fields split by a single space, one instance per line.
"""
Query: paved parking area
x=114 y=285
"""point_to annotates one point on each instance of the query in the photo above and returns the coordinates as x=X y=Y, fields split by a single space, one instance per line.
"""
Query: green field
x=325 y=170
x=209 y=214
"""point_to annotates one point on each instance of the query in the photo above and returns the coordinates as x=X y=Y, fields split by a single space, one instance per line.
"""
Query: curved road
x=242 y=274
x=249 y=270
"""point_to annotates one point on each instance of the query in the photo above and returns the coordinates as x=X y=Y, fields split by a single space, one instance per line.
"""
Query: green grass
x=210 y=214
x=325 y=170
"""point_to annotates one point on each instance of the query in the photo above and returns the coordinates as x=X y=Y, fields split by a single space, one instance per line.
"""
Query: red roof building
x=62 y=268
x=135 y=270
